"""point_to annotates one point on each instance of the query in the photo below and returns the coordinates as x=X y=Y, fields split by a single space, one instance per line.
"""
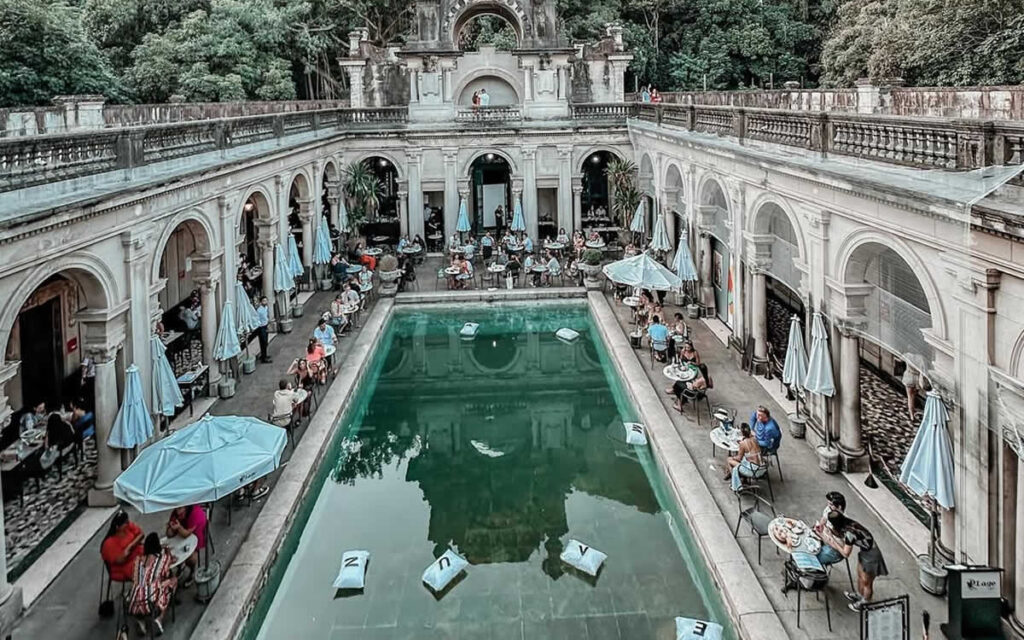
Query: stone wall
x=985 y=103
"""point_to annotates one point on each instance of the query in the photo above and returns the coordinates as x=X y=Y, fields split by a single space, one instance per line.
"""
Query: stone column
x=354 y=69
x=10 y=597
x=417 y=226
x=850 y=436
x=577 y=204
x=403 y=212
x=758 y=313
x=266 y=245
x=530 y=191
x=451 y=192
x=137 y=254
x=705 y=221
x=1018 y=569
x=414 y=96
x=207 y=280
x=108 y=464
x=333 y=196
x=306 y=220
x=565 y=186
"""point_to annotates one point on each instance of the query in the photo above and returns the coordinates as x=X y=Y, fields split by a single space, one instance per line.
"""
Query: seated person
x=153 y=584
x=659 y=336
x=324 y=333
x=554 y=268
x=747 y=460
x=528 y=264
x=350 y=296
x=59 y=433
x=338 y=319
x=685 y=391
x=679 y=327
x=470 y=248
x=829 y=554
x=365 y=276
x=454 y=243
x=527 y=244
x=315 y=360
x=121 y=546
x=562 y=236
x=302 y=372
x=512 y=264
x=34 y=419
x=403 y=242
x=465 y=273
x=184 y=522
x=766 y=430
x=689 y=355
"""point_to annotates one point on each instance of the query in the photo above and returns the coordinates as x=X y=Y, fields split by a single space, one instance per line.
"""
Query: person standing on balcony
x=485 y=98
x=476 y=99
x=645 y=94
x=655 y=96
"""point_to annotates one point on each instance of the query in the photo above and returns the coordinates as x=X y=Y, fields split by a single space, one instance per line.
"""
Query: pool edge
x=753 y=615
x=245 y=577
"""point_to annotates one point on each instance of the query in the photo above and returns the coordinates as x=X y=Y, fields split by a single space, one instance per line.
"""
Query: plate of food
x=32 y=434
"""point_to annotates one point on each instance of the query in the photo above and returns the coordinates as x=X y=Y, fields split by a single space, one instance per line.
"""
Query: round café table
x=595 y=244
x=373 y=252
x=409 y=251
x=631 y=301
x=329 y=350
x=451 y=272
x=355 y=268
x=180 y=548
x=555 y=246
x=380 y=239
x=680 y=373
x=720 y=439
x=782 y=529
x=496 y=268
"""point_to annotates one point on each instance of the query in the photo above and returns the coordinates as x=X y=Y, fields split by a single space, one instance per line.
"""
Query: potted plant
x=590 y=265
x=364 y=190
x=624 y=194
x=389 y=274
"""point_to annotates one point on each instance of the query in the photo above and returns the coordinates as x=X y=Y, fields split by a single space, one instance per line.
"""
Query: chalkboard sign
x=886 y=619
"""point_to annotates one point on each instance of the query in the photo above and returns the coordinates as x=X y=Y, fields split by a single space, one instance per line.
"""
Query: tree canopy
x=151 y=50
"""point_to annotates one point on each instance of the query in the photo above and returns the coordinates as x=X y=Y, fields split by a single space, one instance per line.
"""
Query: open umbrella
x=226 y=346
x=795 y=368
x=462 y=226
x=659 y=240
x=518 y=221
x=283 y=278
x=642 y=271
x=166 y=392
x=639 y=223
x=203 y=462
x=133 y=425
x=294 y=261
x=819 y=378
x=928 y=468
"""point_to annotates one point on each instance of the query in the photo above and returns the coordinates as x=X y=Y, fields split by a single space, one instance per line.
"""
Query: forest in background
x=146 y=51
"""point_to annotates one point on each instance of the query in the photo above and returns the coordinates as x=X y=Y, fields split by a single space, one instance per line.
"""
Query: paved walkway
x=801 y=495
x=67 y=609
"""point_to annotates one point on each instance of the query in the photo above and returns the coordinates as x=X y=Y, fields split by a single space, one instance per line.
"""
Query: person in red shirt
x=121 y=547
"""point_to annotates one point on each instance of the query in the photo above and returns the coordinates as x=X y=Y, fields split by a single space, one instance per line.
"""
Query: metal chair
x=286 y=422
x=661 y=346
x=694 y=398
x=771 y=457
x=757 y=519
x=813 y=582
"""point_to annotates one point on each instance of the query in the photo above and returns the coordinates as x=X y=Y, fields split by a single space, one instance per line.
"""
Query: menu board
x=886 y=619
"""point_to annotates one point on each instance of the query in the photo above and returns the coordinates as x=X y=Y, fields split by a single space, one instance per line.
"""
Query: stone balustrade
x=489 y=114
x=602 y=111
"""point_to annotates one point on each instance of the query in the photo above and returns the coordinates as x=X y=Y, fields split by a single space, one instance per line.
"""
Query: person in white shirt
x=350 y=296
x=285 y=399
x=485 y=98
x=553 y=268
x=454 y=244
x=338 y=319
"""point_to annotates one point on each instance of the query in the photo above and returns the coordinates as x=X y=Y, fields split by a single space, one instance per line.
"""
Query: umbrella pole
x=931 y=538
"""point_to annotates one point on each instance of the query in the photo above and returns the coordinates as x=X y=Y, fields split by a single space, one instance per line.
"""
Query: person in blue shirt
x=659 y=334
x=487 y=245
x=324 y=333
x=766 y=430
x=527 y=244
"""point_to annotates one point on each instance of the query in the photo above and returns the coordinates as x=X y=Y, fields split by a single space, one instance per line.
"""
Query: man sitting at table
x=766 y=430
x=659 y=336
x=829 y=554
x=553 y=268
x=324 y=333
x=338 y=319
x=350 y=296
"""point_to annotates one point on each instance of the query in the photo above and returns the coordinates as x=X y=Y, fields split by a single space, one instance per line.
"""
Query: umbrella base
x=828 y=459
x=284 y=325
x=933 y=578
x=297 y=310
x=248 y=365
x=207 y=581
x=326 y=285
x=797 y=426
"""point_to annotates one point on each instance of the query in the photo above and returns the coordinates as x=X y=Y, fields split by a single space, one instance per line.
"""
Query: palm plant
x=624 y=192
x=364 y=189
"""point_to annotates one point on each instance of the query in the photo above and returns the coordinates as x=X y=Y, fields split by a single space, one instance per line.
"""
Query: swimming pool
x=502 y=447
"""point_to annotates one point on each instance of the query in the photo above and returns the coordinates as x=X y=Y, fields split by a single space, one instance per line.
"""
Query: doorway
x=41 y=345
x=721 y=280
x=491 y=193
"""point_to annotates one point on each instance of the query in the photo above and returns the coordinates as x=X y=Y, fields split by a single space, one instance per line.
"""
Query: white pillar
x=403 y=212
x=850 y=436
x=7 y=371
x=266 y=245
x=759 y=313
x=530 y=191
x=577 y=205
x=108 y=464
x=565 y=186
x=707 y=291
x=354 y=69
x=451 y=192
x=1018 y=568
x=417 y=225
x=306 y=220
x=137 y=253
x=333 y=195
x=208 y=327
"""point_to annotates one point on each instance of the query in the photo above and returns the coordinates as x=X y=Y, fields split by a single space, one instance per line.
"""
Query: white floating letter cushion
x=443 y=570
x=352 y=574
x=566 y=334
x=583 y=557
x=635 y=433
x=469 y=330
x=690 y=629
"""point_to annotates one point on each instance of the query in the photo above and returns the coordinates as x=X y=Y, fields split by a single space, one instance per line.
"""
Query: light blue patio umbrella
x=133 y=425
x=518 y=220
x=795 y=368
x=322 y=246
x=283 y=278
x=639 y=223
x=642 y=271
x=683 y=262
x=246 y=319
x=659 y=240
x=226 y=345
x=819 y=377
x=203 y=462
x=166 y=393
x=462 y=226
x=294 y=261
x=928 y=468
x=342 y=215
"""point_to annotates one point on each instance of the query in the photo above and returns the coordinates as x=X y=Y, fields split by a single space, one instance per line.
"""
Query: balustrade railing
x=602 y=111
x=497 y=113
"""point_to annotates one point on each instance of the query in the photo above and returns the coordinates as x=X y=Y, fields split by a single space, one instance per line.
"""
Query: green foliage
x=592 y=257
x=364 y=189
x=487 y=31
x=45 y=52
x=625 y=193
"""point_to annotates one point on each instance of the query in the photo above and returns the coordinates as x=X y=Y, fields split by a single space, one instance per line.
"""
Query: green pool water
x=502 y=447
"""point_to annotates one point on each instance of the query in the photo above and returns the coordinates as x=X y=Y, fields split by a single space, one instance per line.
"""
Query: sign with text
x=886 y=619
x=979 y=584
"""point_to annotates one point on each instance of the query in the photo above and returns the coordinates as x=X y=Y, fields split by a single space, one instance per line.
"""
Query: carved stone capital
x=529 y=153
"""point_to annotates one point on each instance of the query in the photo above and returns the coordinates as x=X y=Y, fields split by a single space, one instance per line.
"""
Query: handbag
x=106 y=608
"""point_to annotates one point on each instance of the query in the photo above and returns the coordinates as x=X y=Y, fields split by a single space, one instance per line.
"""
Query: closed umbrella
x=342 y=216
x=246 y=319
x=133 y=425
x=166 y=392
x=928 y=468
x=659 y=240
x=283 y=278
x=518 y=221
x=203 y=462
x=639 y=223
x=462 y=226
x=642 y=271
x=819 y=377
x=795 y=368
x=294 y=261
x=226 y=346
x=322 y=245
x=683 y=262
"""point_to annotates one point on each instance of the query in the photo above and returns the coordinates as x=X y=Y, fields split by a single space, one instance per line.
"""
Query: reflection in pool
x=500 y=447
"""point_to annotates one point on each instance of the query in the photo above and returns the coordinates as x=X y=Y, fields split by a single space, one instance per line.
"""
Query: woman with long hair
x=154 y=584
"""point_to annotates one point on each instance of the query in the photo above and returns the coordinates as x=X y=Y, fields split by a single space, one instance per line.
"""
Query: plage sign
x=979 y=584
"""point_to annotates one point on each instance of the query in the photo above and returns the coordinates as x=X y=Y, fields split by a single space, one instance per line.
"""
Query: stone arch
x=362 y=156
x=846 y=265
x=674 y=179
x=505 y=367
x=711 y=192
x=301 y=180
x=466 y=166
x=1016 y=368
x=581 y=158
x=331 y=170
x=461 y=12
x=768 y=205
x=261 y=199
x=92 y=275
x=645 y=175
x=202 y=231
x=462 y=87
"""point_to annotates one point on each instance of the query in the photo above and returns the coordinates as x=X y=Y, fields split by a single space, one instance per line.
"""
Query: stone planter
x=207 y=581
x=693 y=311
x=591 y=275
x=828 y=459
x=797 y=426
x=933 y=578
x=389 y=283
x=284 y=325
x=226 y=388
x=388 y=277
x=248 y=363
x=297 y=310
x=326 y=284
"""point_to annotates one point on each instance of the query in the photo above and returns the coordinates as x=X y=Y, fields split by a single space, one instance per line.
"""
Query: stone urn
x=932 y=577
x=591 y=275
x=389 y=282
x=797 y=426
x=226 y=387
x=828 y=459
x=284 y=325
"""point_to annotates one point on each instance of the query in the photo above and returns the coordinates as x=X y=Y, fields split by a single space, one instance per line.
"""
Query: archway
x=782 y=278
x=491 y=29
x=500 y=92
x=721 y=268
x=675 y=206
x=299 y=196
x=490 y=198
x=374 y=197
x=500 y=14
x=596 y=196
x=255 y=208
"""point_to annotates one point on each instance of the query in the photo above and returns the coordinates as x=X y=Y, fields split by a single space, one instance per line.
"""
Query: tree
x=625 y=194
x=365 y=190
x=44 y=52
